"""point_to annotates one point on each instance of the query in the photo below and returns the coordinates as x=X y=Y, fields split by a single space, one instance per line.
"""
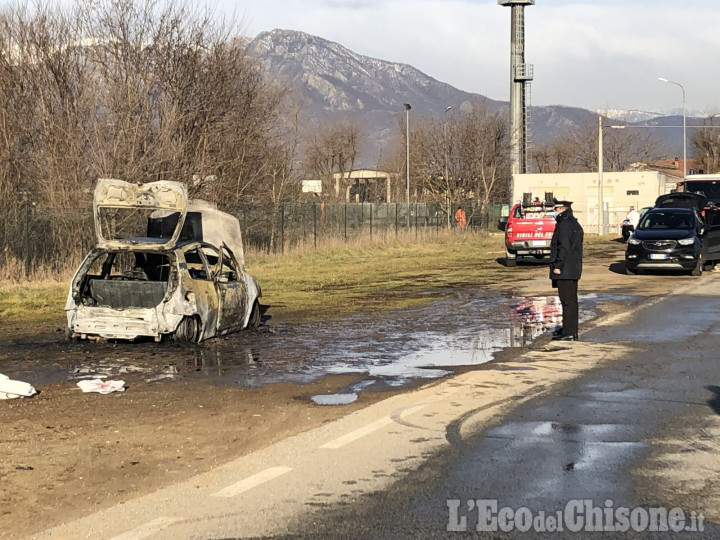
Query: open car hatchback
x=164 y=266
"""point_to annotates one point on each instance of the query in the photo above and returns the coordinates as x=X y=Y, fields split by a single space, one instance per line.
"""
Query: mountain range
x=333 y=82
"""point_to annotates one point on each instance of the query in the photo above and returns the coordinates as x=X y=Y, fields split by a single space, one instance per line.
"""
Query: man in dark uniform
x=566 y=267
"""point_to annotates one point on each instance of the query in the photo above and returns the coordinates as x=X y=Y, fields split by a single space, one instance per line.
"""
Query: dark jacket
x=566 y=247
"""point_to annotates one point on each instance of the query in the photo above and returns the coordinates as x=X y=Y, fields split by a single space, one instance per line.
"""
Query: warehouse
x=620 y=191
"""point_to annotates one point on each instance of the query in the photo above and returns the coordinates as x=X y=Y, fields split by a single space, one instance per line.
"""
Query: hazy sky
x=595 y=54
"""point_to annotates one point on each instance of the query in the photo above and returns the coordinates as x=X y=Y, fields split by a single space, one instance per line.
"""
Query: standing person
x=460 y=217
x=633 y=216
x=566 y=267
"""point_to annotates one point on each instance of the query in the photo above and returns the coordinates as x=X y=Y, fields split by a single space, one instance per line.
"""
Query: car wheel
x=254 y=319
x=630 y=271
x=697 y=271
x=188 y=331
x=510 y=258
x=70 y=335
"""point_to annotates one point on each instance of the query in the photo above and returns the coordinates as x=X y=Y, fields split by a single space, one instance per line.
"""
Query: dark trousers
x=568 y=293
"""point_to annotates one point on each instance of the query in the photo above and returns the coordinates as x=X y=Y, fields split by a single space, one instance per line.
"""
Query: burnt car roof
x=162 y=215
x=156 y=245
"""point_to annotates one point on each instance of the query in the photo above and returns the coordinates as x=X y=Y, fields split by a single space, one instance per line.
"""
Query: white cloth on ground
x=100 y=386
x=11 y=389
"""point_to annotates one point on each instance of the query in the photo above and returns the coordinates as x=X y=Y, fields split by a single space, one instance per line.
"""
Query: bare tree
x=484 y=153
x=282 y=184
x=706 y=143
x=474 y=148
x=559 y=156
x=139 y=90
x=333 y=148
x=621 y=147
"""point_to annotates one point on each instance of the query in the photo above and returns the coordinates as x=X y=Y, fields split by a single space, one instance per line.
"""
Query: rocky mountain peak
x=335 y=82
x=339 y=80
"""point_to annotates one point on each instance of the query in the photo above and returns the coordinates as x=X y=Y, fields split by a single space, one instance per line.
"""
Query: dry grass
x=382 y=274
x=339 y=278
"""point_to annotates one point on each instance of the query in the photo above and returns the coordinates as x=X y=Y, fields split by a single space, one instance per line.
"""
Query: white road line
x=413 y=409
x=150 y=528
x=358 y=433
x=252 y=481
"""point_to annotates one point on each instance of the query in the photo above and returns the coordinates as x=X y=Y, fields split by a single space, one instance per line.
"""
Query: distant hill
x=331 y=81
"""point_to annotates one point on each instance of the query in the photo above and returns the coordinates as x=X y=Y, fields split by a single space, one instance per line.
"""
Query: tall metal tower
x=520 y=76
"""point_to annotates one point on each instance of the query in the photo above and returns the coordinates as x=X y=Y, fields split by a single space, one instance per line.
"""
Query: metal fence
x=54 y=239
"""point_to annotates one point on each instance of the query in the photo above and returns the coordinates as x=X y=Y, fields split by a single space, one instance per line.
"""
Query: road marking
x=358 y=433
x=411 y=409
x=252 y=481
x=150 y=528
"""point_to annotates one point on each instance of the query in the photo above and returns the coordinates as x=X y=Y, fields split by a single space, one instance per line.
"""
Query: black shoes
x=561 y=337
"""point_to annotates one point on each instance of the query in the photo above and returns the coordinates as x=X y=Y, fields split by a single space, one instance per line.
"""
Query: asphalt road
x=566 y=437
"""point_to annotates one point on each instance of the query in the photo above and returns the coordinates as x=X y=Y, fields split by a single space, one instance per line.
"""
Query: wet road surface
x=562 y=424
x=388 y=349
x=586 y=440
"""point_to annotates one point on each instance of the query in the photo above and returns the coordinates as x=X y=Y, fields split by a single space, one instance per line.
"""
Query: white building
x=620 y=191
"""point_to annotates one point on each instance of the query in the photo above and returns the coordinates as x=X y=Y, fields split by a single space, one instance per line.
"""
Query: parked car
x=671 y=235
x=164 y=266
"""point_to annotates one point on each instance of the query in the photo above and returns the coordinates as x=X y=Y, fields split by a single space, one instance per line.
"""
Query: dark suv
x=670 y=236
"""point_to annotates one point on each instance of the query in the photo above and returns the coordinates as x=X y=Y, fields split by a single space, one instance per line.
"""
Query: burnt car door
x=232 y=294
x=196 y=271
x=123 y=212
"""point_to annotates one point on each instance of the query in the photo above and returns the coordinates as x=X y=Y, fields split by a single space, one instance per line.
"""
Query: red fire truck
x=529 y=228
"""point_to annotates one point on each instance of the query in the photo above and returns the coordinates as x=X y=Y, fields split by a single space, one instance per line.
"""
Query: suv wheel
x=510 y=258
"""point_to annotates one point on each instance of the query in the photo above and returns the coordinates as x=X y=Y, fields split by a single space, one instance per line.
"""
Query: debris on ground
x=100 y=386
x=11 y=389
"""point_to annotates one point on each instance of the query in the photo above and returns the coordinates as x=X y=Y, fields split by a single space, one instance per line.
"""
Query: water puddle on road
x=386 y=349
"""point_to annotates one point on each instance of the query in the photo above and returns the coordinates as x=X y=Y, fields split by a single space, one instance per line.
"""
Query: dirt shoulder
x=66 y=454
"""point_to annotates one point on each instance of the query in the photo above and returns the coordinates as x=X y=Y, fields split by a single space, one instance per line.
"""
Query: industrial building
x=620 y=191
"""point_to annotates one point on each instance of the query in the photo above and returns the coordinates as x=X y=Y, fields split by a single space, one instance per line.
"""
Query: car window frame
x=227 y=258
x=204 y=261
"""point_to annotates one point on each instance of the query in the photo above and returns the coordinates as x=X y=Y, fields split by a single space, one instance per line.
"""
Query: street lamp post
x=447 y=179
x=685 y=169
x=407 y=160
x=601 y=213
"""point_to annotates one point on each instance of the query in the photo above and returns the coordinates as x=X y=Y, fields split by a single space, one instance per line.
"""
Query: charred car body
x=164 y=266
x=675 y=235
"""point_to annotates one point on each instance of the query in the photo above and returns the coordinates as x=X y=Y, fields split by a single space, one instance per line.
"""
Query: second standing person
x=566 y=249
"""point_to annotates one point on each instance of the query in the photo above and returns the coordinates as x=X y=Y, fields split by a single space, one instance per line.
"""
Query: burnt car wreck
x=164 y=266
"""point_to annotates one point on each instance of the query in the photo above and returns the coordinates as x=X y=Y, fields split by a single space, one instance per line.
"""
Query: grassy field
x=335 y=280
x=382 y=276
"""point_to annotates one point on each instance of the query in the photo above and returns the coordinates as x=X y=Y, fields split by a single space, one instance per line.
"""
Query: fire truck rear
x=529 y=229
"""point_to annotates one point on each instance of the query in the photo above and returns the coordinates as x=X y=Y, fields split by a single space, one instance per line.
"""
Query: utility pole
x=520 y=76
x=407 y=160
x=447 y=178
